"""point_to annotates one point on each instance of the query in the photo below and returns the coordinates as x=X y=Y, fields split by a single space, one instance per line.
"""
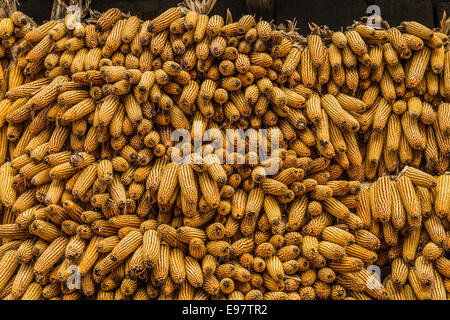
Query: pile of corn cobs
x=306 y=166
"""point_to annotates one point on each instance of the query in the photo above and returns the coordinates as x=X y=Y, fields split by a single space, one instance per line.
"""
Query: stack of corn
x=100 y=201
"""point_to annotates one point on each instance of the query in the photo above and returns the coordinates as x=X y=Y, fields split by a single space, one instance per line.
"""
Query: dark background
x=336 y=14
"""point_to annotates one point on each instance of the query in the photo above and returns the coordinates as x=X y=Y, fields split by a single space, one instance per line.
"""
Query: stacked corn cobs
x=94 y=206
